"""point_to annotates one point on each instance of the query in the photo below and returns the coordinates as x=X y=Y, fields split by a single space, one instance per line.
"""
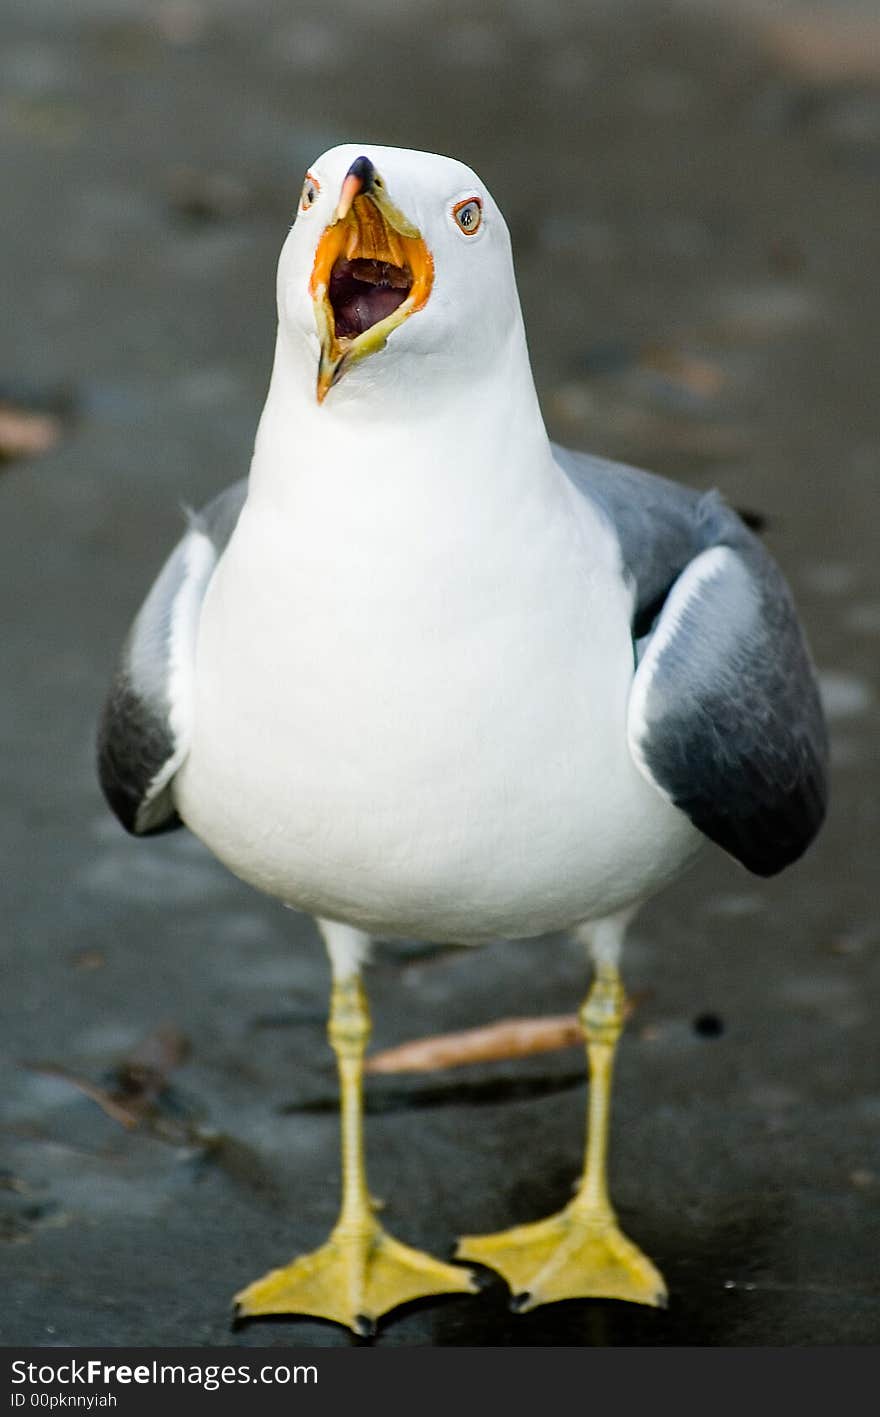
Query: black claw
x=480 y=1278
x=364 y=1326
x=519 y=1301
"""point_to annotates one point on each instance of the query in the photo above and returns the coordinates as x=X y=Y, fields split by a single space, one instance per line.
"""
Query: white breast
x=417 y=723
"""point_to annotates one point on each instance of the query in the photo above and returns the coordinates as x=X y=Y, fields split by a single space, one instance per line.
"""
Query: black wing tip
x=773 y=859
x=768 y=842
x=755 y=521
x=125 y=803
x=132 y=746
x=125 y=809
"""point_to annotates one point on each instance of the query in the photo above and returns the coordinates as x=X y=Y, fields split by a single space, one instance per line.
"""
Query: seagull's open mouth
x=363 y=292
x=372 y=271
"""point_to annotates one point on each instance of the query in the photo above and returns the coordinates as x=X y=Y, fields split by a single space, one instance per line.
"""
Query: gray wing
x=724 y=713
x=143 y=736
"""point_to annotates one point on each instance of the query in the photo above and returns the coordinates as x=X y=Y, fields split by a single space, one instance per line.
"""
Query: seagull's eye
x=309 y=195
x=468 y=215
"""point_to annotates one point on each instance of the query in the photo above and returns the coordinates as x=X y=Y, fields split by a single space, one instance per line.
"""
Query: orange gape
x=362 y=235
x=365 y=235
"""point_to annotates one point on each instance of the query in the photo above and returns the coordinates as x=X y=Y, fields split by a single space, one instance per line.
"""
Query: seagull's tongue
x=363 y=292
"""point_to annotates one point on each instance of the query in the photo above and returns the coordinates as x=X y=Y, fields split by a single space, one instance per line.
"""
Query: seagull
x=426 y=674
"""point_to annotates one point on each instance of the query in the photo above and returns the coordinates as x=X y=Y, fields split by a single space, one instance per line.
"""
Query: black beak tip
x=363 y=169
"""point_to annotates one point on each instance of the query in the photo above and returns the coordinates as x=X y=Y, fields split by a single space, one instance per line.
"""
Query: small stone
x=89 y=959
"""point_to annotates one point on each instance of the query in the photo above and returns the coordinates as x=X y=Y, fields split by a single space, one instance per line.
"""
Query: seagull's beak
x=351 y=188
x=372 y=271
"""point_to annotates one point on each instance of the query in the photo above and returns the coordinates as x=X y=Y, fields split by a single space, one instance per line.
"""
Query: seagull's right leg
x=361 y=1272
x=581 y=1252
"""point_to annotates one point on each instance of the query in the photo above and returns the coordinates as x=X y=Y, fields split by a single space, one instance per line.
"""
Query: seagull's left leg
x=581 y=1252
x=361 y=1272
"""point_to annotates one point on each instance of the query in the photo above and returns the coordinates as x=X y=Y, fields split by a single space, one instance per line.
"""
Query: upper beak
x=351 y=188
x=372 y=240
x=359 y=178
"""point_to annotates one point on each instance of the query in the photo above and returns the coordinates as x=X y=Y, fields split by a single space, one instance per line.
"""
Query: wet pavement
x=693 y=196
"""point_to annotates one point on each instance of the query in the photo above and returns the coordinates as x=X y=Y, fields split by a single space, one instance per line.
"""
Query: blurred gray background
x=692 y=190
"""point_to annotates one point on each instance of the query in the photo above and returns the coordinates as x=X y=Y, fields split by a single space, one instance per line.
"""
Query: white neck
x=448 y=439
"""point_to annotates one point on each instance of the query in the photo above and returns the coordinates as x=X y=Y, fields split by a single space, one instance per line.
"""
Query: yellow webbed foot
x=357 y=1276
x=571 y=1255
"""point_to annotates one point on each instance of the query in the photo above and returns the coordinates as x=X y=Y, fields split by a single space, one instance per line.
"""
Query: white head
x=397 y=275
